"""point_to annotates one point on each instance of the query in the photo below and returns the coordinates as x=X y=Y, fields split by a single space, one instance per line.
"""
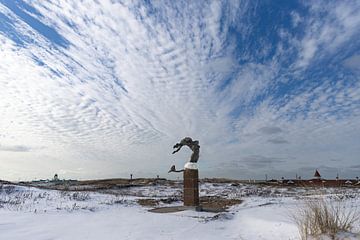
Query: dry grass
x=152 y=202
x=323 y=216
x=148 y=202
x=218 y=203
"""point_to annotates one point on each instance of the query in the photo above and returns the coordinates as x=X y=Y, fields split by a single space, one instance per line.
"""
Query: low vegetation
x=325 y=217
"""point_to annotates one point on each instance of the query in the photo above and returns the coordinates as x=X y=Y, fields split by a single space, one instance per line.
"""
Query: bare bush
x=7 y=189
x=77 y=196
x=320 y=216
x=80 y=196
x=64 y=194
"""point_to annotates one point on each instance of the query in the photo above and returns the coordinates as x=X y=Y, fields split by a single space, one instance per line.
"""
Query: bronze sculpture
x=193 y=145
x=173 y=169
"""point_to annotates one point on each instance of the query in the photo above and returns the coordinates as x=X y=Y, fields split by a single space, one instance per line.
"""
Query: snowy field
x=41 y=214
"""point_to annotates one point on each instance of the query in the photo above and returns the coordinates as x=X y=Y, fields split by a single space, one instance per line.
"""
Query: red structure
x=317 y=174
x=317 y=181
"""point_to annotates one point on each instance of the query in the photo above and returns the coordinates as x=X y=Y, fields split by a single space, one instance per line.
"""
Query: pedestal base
x=191 y=187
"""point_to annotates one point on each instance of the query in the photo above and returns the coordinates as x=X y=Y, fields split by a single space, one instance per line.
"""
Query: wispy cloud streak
x=109 y=86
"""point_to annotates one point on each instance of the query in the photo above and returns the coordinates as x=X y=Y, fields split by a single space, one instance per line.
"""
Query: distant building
x=317 y=174
x=56 y=178
x=348 y=182
x=317 y=181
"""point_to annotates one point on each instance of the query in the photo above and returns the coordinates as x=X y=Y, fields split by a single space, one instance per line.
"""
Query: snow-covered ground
x=38 y=214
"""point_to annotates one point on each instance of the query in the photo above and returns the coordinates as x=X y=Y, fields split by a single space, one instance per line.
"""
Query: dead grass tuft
x=323 y=216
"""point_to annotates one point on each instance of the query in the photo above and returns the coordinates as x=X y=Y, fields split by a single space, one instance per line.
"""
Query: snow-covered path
x=134 y=222
x=37 y=214
x=115 y=223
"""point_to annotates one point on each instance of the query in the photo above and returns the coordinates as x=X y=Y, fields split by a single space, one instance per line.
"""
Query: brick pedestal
x=191 y=187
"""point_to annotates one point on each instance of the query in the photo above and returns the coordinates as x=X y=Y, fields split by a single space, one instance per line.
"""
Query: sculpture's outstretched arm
x=173 y=169
x=179 y=146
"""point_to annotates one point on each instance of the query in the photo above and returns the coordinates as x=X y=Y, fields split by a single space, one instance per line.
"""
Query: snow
x=135 y=223
x=38 y=214
x=191 y=165
x=270 y=221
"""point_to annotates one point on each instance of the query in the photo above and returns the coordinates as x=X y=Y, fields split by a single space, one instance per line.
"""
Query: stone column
x=191 y=185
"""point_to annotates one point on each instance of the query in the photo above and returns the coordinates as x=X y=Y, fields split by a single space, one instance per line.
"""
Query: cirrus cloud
x=109 y=86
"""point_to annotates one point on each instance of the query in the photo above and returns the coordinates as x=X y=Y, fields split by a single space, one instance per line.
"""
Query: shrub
x=80 y=196
x=323 y=216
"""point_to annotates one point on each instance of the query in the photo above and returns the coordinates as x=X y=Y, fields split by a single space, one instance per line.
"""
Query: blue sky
x=97 y=89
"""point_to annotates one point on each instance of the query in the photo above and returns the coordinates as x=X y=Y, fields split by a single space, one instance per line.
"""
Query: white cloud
x=17 y=148
x=329 y=26
x=132 y=82
x=296 y=18
x=353 y=63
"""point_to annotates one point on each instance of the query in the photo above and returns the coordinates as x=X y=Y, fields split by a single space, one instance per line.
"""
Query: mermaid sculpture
x=193 y=145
